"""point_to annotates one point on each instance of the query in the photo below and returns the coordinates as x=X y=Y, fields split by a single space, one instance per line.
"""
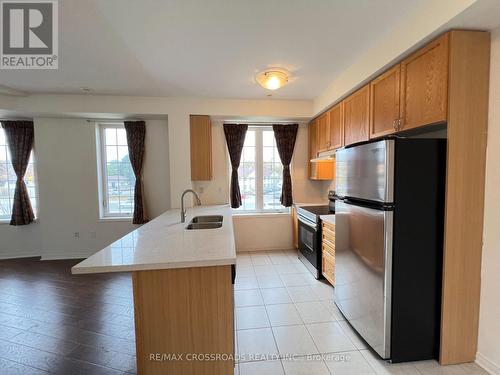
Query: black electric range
x=309 y=236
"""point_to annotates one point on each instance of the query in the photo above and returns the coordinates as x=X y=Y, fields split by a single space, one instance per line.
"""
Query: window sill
x=259 y=214
x=115 y=219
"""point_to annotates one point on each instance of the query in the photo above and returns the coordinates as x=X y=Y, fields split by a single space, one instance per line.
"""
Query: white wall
x=66 y=165
x=488 y=354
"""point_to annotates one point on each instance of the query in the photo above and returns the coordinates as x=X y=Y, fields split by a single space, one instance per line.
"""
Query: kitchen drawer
x=329 y=234
x=329 y=248
x=328 y=268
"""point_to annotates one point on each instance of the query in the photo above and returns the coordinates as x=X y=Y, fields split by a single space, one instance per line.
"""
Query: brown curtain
x=20 y=137
x=285 y=141
x=235 y=137
x=136 y=134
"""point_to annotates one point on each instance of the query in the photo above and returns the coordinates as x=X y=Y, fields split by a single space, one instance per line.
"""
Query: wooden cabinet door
x=313 y=139
x=295 y=225
x=201 y=147
x=336 y=127
x=323 y=132
x=384 y=103
x=356 y=116
x=424 y=85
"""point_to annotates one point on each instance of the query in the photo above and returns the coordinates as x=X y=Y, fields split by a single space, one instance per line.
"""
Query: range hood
x=325 y=156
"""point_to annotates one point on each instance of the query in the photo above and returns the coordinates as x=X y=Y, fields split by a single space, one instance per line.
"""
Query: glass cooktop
x=318 y=210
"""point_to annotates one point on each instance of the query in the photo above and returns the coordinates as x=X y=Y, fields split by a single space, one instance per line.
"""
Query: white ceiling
x=197 y=48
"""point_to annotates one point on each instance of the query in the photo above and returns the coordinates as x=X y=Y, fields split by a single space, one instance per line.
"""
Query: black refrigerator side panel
x=419 y=194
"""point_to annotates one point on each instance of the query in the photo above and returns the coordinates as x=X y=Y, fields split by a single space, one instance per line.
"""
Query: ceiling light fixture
x=86 y=90
x=272 y=79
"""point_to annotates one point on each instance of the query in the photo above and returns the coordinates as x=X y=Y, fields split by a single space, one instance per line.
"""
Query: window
x=116 y=174
x=8 y=180
x=260 y=172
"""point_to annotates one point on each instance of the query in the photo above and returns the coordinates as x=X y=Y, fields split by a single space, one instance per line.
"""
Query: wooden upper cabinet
x=201 y=147
x=356 y=116
x=336 y=127
x=424 y=85
x=323 y=132
x=313 y=139
x=384 y=103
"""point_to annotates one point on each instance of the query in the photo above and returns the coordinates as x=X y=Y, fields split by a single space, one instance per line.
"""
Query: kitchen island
x=183 y=294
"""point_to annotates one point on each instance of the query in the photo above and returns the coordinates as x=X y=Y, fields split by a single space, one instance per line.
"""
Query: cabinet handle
x=395 y=124
x=399 y=124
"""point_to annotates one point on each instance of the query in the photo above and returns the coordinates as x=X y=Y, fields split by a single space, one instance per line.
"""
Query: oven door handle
x=307 y=222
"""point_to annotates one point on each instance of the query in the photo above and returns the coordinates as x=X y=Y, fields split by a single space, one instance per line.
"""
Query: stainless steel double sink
x=205 y=222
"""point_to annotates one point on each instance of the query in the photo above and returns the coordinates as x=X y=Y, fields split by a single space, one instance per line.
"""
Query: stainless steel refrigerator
x=389 y=220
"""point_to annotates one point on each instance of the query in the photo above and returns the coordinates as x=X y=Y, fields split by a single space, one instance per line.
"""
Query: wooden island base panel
x=184 y=321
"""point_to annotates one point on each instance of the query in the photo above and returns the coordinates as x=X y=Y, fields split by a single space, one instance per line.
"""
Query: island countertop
x=165 y=243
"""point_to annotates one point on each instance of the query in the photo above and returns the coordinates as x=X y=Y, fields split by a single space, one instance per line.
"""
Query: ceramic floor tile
x=251 y=317
x=330 y=338
x=294 y=341
x=260 y=258
x=382 y=367
x=243 y=259
x=323 y=289
x=473 y=369
x=433 y=368
x=245 y=270
x=358 y=342
x=305 y=366
x=250 y=297
x=302 y=294
x=300 y=266
x=283 y=314
x=278 y=257
x=298 y=279
x=269 y=281
x=275 y=295
x=243 y=283
x=348 y=363
x=284 y=269
x=266 y=269
x=334 y=310
x=314 y=312
x=256 y=344
x=262 y=368
x=294 y=259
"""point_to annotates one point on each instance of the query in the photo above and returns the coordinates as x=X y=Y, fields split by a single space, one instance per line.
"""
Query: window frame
x=259 y=177
x=36 y=210
x=102 y=175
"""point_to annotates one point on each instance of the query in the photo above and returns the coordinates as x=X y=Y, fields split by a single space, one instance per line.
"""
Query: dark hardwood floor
x=52 y=322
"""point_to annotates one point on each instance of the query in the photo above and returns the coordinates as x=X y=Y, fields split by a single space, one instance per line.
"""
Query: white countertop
x=328 y=218
x=165 y=243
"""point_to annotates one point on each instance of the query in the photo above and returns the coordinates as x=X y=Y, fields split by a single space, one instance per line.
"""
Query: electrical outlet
x=76 y=235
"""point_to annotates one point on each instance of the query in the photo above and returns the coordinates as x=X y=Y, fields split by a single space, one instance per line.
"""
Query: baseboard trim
x=265 y=249
x=487 y=364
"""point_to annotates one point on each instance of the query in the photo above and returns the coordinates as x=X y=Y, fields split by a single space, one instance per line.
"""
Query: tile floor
x=287 y=323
